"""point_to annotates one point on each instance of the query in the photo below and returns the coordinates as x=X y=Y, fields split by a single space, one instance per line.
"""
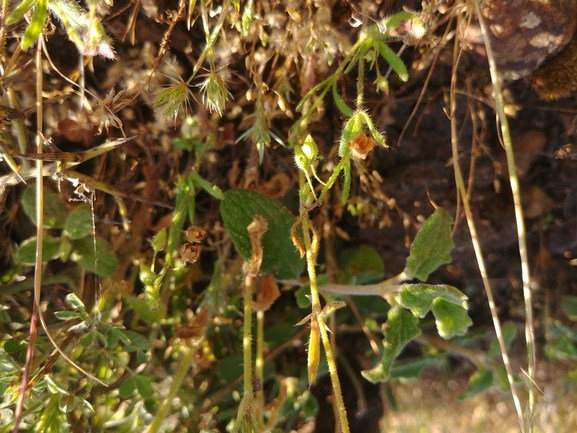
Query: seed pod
x=314 y=351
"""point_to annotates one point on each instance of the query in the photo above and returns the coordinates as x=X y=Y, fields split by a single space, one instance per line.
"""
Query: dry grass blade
x=464 y=196
x=514 y=182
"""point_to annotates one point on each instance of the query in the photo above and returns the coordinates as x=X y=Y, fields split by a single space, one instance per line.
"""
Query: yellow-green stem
x=183 y=367
x=259 y=364
x=334 y=377
x=246 y=407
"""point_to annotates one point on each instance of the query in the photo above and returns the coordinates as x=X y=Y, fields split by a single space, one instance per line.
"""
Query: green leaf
x=158 y=242
x=75 y=302
x=103 y=264
x=419 y=297
x=86 y=340
x=127 y=387
x=431 y=246
x=142 y=308
x=400 y=328
x=479 y=382
x=229 y=368
x=18 y=13
x=280 y=257
x=36 y=24
x=364 y=260
x=79 y=223
x=144 y=386
x=341 y=105
x=26 y=253
x=450 y=319
x=13 y=346
x=353 y=127
x=393 y=60
x=67 y=315
x=569 y=306
x=54 y=210
x=213 y=190
x=411 y=369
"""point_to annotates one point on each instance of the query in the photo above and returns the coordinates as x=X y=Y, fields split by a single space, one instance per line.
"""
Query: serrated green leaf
x=419 y=297
x=26 y=253
x=83 y=253
x=450 y=319
x=479 y=382
x=36 y=25
x=79 y=223
x=341 y=104
x=54 y=210
x=431 y=246
x=280 y=257
x=144 y=386
x=127 y=387
x=400 y=328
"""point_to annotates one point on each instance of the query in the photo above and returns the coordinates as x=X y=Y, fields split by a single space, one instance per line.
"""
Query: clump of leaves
x=77 y=240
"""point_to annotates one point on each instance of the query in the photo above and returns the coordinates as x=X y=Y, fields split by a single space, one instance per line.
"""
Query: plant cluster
x=140 y=313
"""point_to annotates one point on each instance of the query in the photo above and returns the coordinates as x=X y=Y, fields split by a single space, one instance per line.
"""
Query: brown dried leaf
x=267 y=293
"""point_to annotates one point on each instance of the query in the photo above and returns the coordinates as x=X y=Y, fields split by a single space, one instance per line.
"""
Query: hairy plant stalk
x=316 y=317
x=334 y=376
x=246 y=407
x=259 y=367
x=514 y=182
x=183 y=367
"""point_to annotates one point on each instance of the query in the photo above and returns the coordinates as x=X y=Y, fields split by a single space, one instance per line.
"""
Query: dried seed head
x=190 y=253
x=195 y=234
x=215 y=92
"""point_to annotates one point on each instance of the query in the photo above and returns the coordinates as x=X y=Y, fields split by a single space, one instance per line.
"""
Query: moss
x=557 y=77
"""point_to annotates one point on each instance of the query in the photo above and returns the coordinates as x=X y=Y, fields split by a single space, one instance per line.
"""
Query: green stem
x=183 y=367
x=246 y=407
x=344 y=160
x=212 y=40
